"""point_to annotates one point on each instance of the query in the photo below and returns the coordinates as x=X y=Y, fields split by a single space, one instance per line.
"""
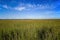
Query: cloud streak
x=20 y=8
x=5 y=6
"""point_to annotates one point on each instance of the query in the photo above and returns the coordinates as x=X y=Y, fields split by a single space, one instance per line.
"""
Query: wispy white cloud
x=20 y=8
x=5 y=6
x=34 y=6
x=44 y=7
x=30 y=5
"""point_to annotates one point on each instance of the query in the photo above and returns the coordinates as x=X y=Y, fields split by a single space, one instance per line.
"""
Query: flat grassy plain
x=43 y=29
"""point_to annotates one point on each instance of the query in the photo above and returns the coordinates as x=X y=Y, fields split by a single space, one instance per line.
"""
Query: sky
x=29 y=9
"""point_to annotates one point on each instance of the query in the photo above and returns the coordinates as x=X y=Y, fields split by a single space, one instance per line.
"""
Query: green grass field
x=47 y=29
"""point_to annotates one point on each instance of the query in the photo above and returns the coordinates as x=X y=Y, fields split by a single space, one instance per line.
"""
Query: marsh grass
x=29 y=30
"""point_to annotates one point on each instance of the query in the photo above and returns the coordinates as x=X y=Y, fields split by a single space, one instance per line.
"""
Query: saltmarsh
x=44 y=29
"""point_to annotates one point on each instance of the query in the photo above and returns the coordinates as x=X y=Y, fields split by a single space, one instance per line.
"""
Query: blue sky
x=29 y=9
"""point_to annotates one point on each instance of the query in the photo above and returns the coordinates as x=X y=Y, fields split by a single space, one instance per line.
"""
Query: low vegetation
x=30 y=29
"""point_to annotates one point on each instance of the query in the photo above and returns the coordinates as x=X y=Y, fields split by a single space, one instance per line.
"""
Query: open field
x=47 y=29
